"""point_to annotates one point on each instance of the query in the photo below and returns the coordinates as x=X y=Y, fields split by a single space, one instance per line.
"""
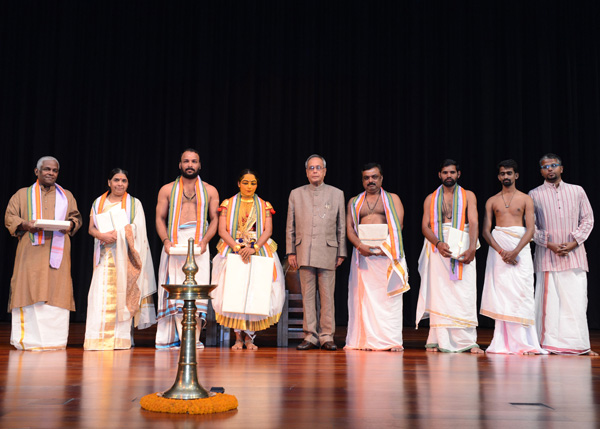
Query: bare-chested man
x=374 y=227
x=186 y=208
x=508 y=290
x=448 y=294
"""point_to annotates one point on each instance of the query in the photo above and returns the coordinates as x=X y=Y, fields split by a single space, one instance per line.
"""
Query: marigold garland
x=215 y=404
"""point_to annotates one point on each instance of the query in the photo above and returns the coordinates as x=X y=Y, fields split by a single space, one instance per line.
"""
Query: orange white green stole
x=393 y=246
x=175 y=210
x=127 y=203
x=436 y=216
x=34 y=212
x=233 y=214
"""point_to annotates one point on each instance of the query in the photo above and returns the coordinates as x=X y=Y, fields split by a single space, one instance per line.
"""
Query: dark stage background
x=265 y=84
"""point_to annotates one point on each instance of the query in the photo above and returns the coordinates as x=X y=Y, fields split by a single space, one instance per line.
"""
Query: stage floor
x=283 y=387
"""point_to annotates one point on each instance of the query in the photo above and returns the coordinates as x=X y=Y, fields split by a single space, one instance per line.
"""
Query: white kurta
x=374 y=317
x=508 y=296
x=451 y=305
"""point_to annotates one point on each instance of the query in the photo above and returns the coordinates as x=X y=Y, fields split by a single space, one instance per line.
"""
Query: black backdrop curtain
x=265 y=84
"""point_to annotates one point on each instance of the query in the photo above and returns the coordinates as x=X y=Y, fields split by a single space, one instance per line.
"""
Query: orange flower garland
x=215 y=404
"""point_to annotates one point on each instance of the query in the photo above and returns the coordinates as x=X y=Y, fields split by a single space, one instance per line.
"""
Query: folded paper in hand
x=459 y=242
x=247 y=288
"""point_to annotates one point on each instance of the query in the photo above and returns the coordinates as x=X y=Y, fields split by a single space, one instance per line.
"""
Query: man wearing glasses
x=316 y=246
x=563 y=221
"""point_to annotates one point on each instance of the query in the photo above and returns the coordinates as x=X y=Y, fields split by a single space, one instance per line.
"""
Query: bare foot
x=250 y=345
x=592 y=353
x=397 y=349
x=431 y=349
x=239 y=345
x=476 y=351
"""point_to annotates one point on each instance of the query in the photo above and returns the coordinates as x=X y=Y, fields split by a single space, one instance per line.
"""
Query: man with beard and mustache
x=563 y=221
x=186 y=208
x=508 y=289
x=448 y=294
x=378 y=273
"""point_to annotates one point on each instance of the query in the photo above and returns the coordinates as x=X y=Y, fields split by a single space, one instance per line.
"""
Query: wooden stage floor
x=279 y=388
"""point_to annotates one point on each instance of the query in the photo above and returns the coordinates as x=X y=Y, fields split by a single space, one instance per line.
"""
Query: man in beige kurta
x=316 y=246
x=39 y=292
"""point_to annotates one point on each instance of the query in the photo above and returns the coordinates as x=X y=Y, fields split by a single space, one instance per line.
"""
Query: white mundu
x=508 y=296
x=248 y=286
x=451 y=305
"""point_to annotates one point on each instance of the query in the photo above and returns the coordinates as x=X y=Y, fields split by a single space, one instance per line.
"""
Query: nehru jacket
x=316 y=226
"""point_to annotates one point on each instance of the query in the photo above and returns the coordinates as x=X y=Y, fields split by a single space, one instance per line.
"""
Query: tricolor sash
x=436 y=219
x=34 y=212
x=127 y=203
x=393 y=246
x=259 y=212
x=175 y=210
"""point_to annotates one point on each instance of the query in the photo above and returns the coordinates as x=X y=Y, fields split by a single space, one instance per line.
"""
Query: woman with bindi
x=245 y=228
x=123 y=280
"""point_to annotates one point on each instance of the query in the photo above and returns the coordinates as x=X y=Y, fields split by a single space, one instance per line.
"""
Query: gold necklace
x=372 y=210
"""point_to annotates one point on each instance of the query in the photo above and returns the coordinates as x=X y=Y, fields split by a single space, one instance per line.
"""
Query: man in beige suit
x=316 y=246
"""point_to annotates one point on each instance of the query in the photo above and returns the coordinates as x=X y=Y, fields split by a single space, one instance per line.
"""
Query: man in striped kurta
x=564 y=220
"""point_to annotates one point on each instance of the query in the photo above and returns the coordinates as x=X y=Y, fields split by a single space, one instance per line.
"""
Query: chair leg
x=211 y=326
x=282 y=326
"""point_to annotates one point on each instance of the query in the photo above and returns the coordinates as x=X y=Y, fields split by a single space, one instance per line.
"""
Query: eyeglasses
x=315 y=167
x=547 y=166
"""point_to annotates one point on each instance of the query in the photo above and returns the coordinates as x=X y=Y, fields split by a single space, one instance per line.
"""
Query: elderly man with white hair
x=41 y=289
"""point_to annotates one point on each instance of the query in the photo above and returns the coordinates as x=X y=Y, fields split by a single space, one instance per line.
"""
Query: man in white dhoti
x=41 y=289
x=378 y=274
x=448 y=293
x=186 y=208
x=508 y=289
x=563 y=221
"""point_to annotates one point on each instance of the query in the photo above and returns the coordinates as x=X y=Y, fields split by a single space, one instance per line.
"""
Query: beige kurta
x=33 y=280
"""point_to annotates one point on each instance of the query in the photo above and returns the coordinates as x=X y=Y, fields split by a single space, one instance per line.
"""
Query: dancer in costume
x=41 y=289
x=186 y=208
x=123 y=281
x=563 y=221
x=378 y=274
x=245 y=227
x=508 y=289
x=448 y=293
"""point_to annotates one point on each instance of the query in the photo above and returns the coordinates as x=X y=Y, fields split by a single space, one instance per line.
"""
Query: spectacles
x=315 y=167
x=547 y=166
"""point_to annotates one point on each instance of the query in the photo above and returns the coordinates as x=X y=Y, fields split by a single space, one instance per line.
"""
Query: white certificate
x=52 y=225
x=372 y=234
x=247 y=288
x=182 y=249
x=459 y=242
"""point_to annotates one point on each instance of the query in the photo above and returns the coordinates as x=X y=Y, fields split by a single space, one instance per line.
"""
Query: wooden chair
x=292 y=314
